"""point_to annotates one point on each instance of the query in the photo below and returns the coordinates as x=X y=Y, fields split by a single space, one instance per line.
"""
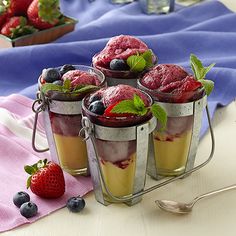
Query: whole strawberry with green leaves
x=16 y=26
x=46 y=179
x=44 y=14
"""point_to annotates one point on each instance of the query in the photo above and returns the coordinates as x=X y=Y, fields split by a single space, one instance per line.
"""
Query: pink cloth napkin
x=16 y=122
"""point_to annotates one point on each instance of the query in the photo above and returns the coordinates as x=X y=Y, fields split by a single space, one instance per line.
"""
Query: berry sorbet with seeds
x=114 y=62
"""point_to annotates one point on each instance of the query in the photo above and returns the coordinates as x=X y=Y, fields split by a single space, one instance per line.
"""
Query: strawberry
x=19 y=7
x=46 y=180
x=44 y=14
x=109 y=113
x=16 y=26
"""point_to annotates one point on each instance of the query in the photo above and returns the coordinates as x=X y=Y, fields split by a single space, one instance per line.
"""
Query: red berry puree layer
x=119 y=47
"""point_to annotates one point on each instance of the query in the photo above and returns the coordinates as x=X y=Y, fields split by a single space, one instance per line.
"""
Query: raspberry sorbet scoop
x=172 y=80
x=119 y=47
x=78 y=77
x=115 y=94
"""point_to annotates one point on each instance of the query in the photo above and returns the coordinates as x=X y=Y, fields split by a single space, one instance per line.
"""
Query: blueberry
x=20 y=198
x=118 y=64
x=97 y=107
x=50 y=75
x=28 y=209
x=94 y=98
x=58 y=82
x=66 y=68
x=75 y=204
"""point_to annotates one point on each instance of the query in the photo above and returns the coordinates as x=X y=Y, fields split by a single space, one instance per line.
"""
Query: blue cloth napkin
x=206 y=29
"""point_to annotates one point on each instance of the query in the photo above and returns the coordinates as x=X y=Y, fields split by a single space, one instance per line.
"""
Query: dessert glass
x=62 y=119
x=175 y=147
x=114 y=77
x=117 y=152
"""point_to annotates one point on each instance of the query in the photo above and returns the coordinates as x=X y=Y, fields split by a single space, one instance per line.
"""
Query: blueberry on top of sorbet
x=66 y=68
x=118 y=64
x=50 y=75
x=97 y=107
x=94 y=97
x=58 y=82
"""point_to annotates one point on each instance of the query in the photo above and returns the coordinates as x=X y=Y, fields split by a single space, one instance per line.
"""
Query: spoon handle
x=214 y=192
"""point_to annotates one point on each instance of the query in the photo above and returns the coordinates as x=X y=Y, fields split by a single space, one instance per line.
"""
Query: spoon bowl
x=174 y=207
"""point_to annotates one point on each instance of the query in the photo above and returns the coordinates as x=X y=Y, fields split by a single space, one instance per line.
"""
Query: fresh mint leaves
x=139 y=62
x=67 y=88
x=136 y=106
x=200 y=73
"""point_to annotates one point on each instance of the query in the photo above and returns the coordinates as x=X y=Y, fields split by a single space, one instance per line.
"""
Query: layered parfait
x=64 y=88
x=118 y=106
x=123 y=59
x=169 y=83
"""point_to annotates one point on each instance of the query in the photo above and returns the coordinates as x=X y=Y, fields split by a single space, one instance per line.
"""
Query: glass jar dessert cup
x=124 y=181
x=62 y=121
x=117 y=151
x=114 y=77
x=175 y=148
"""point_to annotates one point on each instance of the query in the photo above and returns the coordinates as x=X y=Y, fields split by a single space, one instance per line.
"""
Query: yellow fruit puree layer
x=119 y=180
x=171 y=155
x=72 y=153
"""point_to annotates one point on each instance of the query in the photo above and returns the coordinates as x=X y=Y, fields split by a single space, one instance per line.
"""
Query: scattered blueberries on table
x=28 y=209
x=20 y=197
x=75 y=204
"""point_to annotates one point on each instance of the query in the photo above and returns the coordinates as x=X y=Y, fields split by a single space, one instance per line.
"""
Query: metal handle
x=127 y=198
x=214 y=192
x=40 y=108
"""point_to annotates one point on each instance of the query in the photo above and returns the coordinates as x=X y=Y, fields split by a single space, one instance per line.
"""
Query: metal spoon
x=183 y=208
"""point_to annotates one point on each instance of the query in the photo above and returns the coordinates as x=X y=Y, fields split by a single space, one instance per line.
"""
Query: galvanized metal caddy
x=141 y=133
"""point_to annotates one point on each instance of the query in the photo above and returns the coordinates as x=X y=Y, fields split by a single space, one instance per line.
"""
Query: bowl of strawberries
x=28 y=22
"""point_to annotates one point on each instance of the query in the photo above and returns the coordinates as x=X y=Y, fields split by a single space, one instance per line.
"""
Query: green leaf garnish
x=85 y=88
x=67 y=88
x=200 y=73
x=139 y=62
x=51 y=87
x=208 y=85
x=66 y=85
x=126 y=106
x=136 y=106
x=136 y=63
x=147 y=56
x=160 y=114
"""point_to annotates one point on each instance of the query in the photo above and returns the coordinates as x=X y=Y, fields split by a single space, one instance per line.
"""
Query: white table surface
x=214 y=216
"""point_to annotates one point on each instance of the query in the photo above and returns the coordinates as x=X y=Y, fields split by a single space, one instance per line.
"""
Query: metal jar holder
x=99 y=178
x=45 y=105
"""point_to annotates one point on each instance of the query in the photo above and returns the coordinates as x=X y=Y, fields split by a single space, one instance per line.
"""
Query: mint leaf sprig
x=67 y=88
x=200 y=73
x=139 y=62
x=136 y=106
